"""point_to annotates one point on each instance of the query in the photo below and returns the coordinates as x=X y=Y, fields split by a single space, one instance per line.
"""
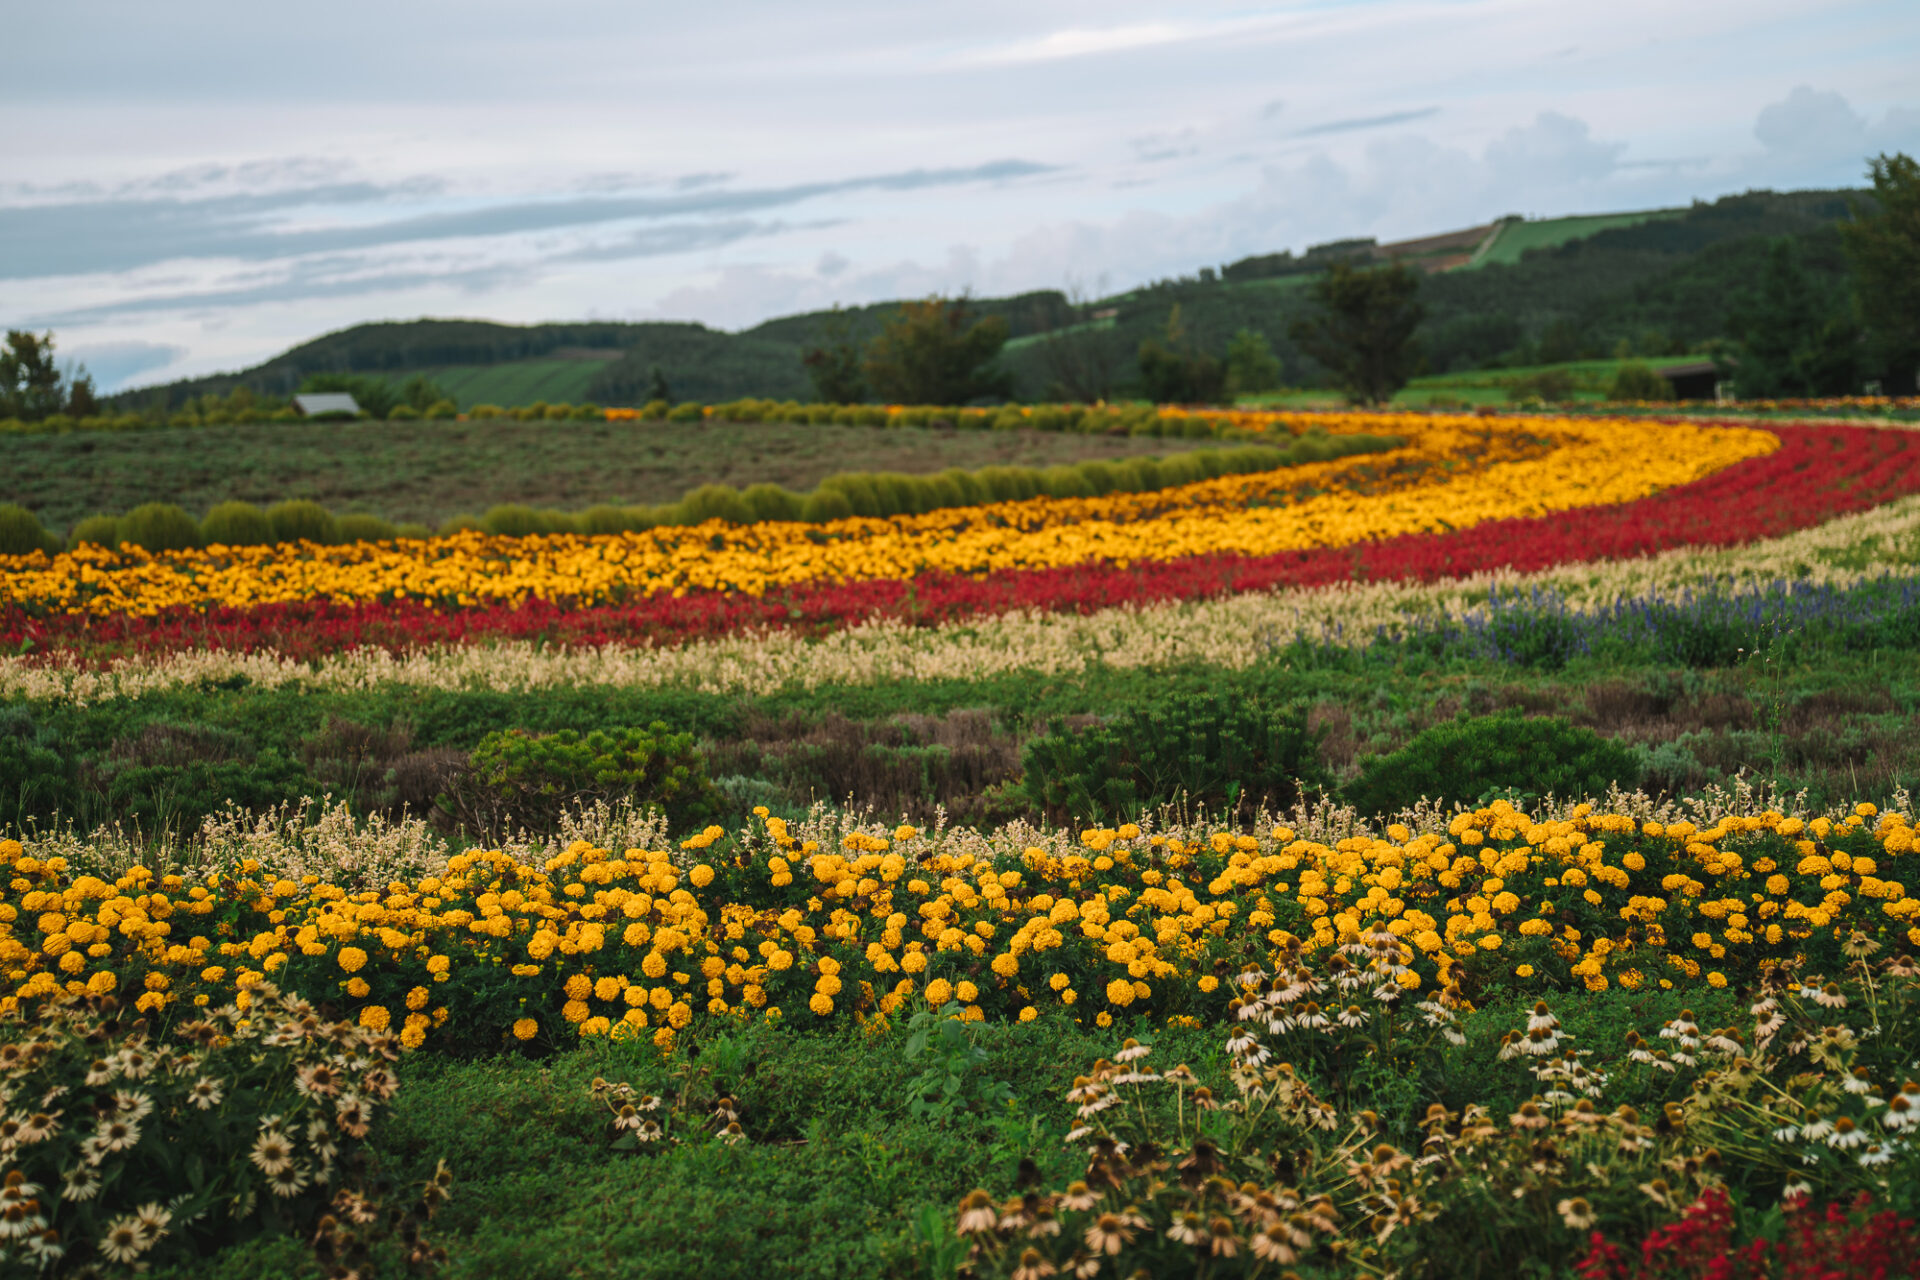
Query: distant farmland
x=1515 y=238
x=518 y=382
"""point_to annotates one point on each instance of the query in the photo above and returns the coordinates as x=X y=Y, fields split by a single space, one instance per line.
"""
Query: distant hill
x=1514 y=291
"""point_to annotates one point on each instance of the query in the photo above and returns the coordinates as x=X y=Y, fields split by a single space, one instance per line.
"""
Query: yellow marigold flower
x=939 y=991
x=575 y=1011
x=1716 y=979
x=417 y=998
x=579 y=987
x=1209 y=984
x=780 y=959
x=1058 y=981
x=967 y=992
x=1006 y=964
x=1104 y=1019
x=375 y=1017
x=102 y=983
x=821 y=1004
x=352 y=959
x=525 y=1029
x=654 y=965
x=1029 y=1013
x=357 y=988
x=1120 y=992
x=412 y=1036
x=1523 y=971
x=437 y=964
x=701 y=875
x=606 y=988
x=827 y=985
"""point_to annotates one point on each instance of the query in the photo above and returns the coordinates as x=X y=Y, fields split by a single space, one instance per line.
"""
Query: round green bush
x=403 y=413
x=714 y=502
x=513 y=520
x=443 y=410
x=21 y=533
x=823 y=505
x=412 y=529
x=967 y=485
x=366 y=528
x=1065 y=482
x=605 y=518
x=100 y=531
x=300 y=520
x=481 y=412
x=1467 y=761
x=160 y=526
x=462 y=524
x=688 y=412
x=771 y=502
x=237 y=524
x=516 y=778
x=857 y=489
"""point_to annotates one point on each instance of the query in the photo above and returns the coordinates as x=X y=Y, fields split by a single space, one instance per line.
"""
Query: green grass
x=1515 y=238
x=1472 y=388
x=838 y=1177
x=516 y=382
x=429 y=471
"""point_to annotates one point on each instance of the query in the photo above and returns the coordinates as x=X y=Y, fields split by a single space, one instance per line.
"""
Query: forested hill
x=1664 y=282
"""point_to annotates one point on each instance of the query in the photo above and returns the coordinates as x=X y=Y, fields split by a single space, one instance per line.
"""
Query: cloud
x=1368 y=122
x=1080 y=42
x=1166 y=146
x=114 y=364
x=120 y=234
x=1807 y=123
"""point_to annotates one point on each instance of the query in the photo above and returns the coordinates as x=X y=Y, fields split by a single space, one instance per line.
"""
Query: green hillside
x=1650 y=283
x=1516 y=237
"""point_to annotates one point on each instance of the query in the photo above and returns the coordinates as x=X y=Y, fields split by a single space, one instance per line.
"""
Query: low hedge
x=873 y=494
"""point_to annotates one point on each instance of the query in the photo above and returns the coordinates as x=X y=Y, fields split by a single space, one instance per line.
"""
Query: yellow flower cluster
x=1131 y=923
x=1451 y=473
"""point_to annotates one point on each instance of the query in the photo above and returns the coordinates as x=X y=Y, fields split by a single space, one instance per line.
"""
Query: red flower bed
x=1835 y=1245
x=1817 y=474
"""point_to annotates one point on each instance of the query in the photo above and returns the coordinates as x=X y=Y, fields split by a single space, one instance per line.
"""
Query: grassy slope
x=516 y=382
x=1516 y=238
x=838 y=1177
x=429 y=471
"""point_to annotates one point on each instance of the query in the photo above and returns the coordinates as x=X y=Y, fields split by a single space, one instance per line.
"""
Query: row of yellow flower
x=1451 y=473
x=1132 y=923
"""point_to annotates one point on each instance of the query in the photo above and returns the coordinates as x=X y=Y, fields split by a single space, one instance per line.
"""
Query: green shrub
x=21 y=533
x=688 y=412
x=194 y=1103
x=412 y=529
x=558 y=412
x=38 y=766
x=516 y=520
x=1214 y=751
x=481 y=412
x=771 y=502
x=606 y=518
x=1466 y=760
x=160 y=526
x=300 y=520
x=1065 y=482
x=1638 y=382
x=442 y=410
x=1551 y=385
x=403 y=413
x=824 y=505
x=237 y=524
x=284 y=415
x=366 y=528
x=655 y=410
x=516 y=779
x=102 y=531
x=714 y=502
x=857 y=490
x=461 y=524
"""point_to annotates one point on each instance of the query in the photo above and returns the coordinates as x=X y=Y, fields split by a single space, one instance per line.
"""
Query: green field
x=516 y=382
x=1515 y=238
x=1472 y=388
x=429 y=471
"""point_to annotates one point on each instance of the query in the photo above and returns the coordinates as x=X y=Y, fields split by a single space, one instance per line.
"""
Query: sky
x=195 y=186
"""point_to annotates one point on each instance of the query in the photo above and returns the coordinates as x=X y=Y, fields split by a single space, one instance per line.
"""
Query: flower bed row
x=1453 y=473
x=1819 y=474
x=768 y=925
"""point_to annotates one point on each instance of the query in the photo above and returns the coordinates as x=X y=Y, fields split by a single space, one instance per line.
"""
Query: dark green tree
x=1883 y=248
x=657 y=388
x=1174 y=371
x=1077 y=348
x=1251 y=365
x=30 y=385
x=936 y=352
x=1363 y=333
x=834 y=363
x=1795 y=340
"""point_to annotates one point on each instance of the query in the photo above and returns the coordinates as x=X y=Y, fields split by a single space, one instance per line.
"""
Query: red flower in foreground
x=1818 y=473
x=1837 y=1244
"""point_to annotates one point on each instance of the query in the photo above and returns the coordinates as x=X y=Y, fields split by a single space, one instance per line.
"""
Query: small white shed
x=326 y=404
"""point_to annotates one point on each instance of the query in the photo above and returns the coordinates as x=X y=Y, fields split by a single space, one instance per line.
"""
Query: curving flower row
x=768 y=925
x=1452 y=474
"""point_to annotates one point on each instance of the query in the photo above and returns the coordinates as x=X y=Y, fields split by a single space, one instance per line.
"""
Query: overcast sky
x=195 y=185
